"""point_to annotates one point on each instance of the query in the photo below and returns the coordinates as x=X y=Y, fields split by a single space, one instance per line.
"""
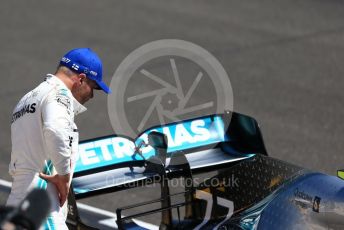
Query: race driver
x=44 y=135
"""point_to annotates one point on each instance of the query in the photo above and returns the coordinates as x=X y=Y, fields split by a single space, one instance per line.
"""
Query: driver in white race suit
x=44 y=135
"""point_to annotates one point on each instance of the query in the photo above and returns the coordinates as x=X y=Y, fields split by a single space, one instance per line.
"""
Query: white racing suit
x=44 y=138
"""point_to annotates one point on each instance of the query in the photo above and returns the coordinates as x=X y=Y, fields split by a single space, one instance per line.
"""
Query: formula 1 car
x=252 y=190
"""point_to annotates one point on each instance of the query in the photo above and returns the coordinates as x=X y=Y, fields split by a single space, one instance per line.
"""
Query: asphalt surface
x=284 y=60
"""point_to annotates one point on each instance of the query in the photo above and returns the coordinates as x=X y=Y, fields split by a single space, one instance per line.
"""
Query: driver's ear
x=81 y=78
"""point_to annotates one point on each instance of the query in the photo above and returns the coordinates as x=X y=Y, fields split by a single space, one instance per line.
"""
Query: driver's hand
x=62 y=183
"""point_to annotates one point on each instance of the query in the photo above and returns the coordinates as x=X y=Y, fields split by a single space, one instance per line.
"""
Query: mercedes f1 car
x=253 y=190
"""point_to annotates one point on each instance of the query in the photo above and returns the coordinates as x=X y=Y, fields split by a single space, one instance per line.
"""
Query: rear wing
x=114 y=163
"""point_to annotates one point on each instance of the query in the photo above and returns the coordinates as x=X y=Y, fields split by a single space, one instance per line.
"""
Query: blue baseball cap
x=84 y=60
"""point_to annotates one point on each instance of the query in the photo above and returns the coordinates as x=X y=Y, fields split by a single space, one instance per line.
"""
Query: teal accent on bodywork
x=77 y=190
x=251 y=219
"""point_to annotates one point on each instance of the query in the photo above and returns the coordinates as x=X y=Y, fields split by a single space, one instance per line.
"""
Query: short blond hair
x=65 y=70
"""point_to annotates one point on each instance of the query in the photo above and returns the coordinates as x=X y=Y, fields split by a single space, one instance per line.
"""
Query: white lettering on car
x=117 y=148
x=202 y=134
x=123 y=146
x=88 y=154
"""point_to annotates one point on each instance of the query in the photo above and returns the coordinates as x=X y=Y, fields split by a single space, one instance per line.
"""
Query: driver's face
x=84 y=90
